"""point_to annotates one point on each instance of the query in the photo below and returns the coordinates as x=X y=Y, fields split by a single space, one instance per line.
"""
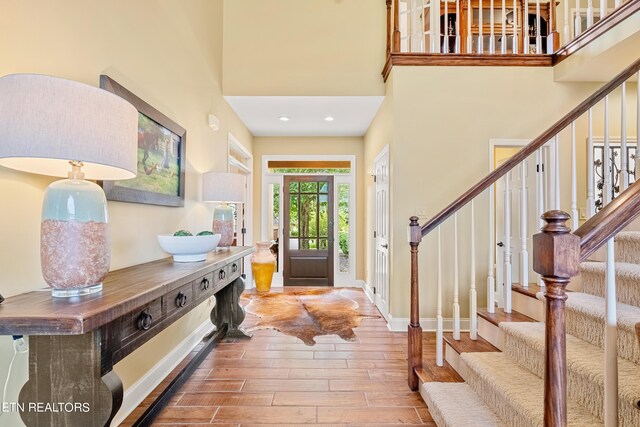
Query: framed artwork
x=161 y=156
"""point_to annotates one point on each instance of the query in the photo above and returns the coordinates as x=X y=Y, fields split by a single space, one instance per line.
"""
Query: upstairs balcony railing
x=529 y=27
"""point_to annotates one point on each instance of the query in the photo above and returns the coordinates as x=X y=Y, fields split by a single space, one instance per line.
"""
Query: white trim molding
x=135 y=394
x=429 y=324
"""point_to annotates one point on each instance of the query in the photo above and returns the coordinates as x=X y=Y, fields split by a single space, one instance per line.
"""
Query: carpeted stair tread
x=586 y=320
x=456 y=405
x=514 y=393
x=524 y=343
x=628 y=247
x=592 y=278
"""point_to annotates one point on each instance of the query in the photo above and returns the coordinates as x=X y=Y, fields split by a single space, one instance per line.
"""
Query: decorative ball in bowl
x=185 y=248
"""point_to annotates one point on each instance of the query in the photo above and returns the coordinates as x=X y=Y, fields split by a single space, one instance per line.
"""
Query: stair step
x=525 y=344
x=628 y=247
x=501 y=316
x=586 y=319
x=467 y=345
x=456 y=405
x=592 y=278
x=515 y=394
x=529 y=291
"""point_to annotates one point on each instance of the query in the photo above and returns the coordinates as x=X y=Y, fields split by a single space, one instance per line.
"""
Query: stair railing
x=492 y=27
x=608 y=196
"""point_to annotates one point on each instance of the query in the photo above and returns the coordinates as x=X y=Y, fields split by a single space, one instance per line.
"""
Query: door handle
x=500 y=244
x=386 y=246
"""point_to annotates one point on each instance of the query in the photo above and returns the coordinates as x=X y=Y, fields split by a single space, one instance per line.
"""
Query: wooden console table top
x=38 y=313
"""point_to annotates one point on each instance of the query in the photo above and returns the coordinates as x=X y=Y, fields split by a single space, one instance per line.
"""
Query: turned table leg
x=66 y=386
x=228 y=309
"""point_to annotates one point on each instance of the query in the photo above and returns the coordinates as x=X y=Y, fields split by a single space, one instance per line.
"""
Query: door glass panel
x=293 y=216
x=274 y=219
x=324 y=187
x=308 y=215
x=323 y=214
x=308 y=187
x=343 y=228
x=324 y=244
x=293 y=187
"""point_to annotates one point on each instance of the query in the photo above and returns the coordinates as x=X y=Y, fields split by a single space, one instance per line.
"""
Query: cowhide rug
x=306 y=313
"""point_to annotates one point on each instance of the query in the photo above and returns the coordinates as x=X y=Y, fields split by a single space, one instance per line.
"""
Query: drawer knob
x=234 y=268
x=144 y=320
x=181 y=299
x=222 y=274
x=205 y=284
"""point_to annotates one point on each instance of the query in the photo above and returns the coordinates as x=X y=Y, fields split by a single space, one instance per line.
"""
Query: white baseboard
x=135 y=394
x=399 y=324
x=368 y=291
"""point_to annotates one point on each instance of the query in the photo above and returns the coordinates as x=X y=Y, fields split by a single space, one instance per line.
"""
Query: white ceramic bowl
x=188 y=248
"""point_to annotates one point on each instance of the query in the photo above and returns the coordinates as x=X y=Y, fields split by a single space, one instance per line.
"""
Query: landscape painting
x=161 y=148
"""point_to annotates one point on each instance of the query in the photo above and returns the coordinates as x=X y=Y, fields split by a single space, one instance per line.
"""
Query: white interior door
x=381 y=265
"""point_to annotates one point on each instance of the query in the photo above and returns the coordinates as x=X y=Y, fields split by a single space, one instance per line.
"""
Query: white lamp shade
x=47 y=121
x=223 y=187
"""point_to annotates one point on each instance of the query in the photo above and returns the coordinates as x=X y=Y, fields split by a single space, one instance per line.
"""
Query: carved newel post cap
x=556 y=252
x=415 y=233
x=413 y=220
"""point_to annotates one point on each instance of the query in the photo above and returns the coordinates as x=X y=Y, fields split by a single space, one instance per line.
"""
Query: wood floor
x=275 y=379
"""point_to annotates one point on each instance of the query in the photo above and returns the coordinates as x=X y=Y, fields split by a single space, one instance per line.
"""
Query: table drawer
x=203 y=287
x=234 y=269
x=179 y=299
x=220 y=277
x=142 y=320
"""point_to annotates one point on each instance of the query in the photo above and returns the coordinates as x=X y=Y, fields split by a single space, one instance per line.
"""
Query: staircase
x=506 y=388
x=539 y=354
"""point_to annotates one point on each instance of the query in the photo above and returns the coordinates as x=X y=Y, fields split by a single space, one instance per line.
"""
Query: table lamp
x=52 y=126
x=224 y=188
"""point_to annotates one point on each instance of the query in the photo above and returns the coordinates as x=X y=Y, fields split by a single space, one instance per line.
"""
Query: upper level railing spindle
x=503 y=42
x=589 y=13
x=469 y=34
x=445 y=44
x=538 y=34
x=577 y=21
x=458 y=47
x=567 y=18
x=591 y=199
x=480 y=27
x=624 y=154
x=492 y=32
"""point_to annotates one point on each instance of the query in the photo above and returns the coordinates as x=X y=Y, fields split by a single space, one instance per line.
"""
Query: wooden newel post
x=556 y=256
x=396 y=26
x=414 y=329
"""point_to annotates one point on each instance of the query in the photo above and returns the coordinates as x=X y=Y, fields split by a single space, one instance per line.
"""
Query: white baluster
x=435 y=26
x=469 y=35
x=456 y=281
x=439 y=326
x=618 y=3
x=566 y=23
x=591 y=200
x=492 y=32
x=525 y=27
x=540 y=194
x=458 y=26
x=577 y=22
x=624 y=154
x=423 y=45
x=538 y=34
x=610 y=332
x=473 y=297
x=491 y=278
x=445 y=45
x=503 y=42
x=637 y=170
x=515 y=28
x=589 y=13
x=524 y=253
x=574 y=180
x=480 y=27
x=507 y=244
x=603 y=9
x=556 y=149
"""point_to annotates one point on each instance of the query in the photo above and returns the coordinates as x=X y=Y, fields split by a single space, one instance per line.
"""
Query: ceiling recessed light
x=329 y=119
x=284 y=118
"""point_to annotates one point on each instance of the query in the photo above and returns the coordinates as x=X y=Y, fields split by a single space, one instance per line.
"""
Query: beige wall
x=310 y=47
x=441 y=147
x=168 y=53
x=312 y=146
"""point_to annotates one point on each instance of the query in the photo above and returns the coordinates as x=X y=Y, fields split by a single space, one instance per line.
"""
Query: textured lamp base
x=75 y=292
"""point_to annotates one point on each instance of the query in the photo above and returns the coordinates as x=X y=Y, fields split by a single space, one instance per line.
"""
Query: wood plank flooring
x=276 y=380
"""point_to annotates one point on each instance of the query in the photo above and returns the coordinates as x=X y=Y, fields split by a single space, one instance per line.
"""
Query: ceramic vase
x=263 y=264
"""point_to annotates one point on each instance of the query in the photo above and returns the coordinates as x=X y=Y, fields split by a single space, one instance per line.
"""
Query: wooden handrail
x=521 y=155
x=609 y=221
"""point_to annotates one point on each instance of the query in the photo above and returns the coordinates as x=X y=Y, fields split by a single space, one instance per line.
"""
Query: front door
x=308 y=231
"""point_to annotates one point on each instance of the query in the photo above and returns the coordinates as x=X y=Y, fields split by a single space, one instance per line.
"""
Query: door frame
x=339 y=279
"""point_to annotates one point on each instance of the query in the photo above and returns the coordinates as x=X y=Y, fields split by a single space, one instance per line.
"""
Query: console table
x=74 y=342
